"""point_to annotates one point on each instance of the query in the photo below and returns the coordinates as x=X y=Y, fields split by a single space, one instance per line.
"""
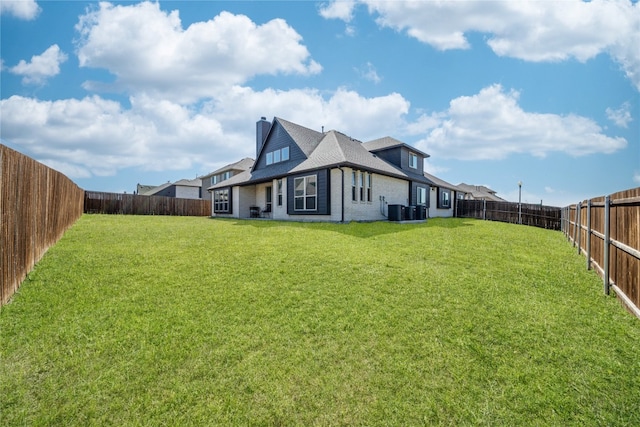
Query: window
x=305 y=193
x=221 y=201
x=279 y=189
x=361 y=185
x=354 y=191
x=368 y=181
x=444 y=198
x=413 y=160
x=277 y=156
x=268 y=193
x=422 y=196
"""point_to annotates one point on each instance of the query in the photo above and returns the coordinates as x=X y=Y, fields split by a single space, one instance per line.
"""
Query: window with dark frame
x=279 y=191
x=368 y=181
x=305 y=193
x=361 y=185
x=444 y=198
x=268 y=198
x=413 y=160
x=422 y=196
x=221 y=201
x=354 y=190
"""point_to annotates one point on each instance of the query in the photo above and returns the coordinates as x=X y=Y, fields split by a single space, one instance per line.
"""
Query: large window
x=221 y=201
x=422 y=196
x=305 y=193
x=413 y=160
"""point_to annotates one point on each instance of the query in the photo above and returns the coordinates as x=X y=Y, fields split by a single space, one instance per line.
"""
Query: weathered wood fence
x=516 y=213
x=135 y=204
x=607 y=230
x=37 y=205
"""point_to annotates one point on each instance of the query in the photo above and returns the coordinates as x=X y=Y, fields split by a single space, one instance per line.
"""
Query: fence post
x=588 y=234
x=607 y=243
x=578 y=226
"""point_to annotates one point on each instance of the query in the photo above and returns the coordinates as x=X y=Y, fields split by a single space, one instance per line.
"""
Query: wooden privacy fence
x=516 y=213
x=135 y=204
x=607 y=230
x=37 y=205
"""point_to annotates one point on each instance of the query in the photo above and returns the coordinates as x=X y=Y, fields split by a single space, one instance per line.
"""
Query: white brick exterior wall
x=393 y=190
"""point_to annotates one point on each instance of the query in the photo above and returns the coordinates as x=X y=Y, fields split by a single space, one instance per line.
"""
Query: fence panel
x=516 y=213
x=607 y=230
x=37 y=205
x=135 y=204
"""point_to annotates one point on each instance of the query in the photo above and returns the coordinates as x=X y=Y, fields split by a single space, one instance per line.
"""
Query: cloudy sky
x=115 y=94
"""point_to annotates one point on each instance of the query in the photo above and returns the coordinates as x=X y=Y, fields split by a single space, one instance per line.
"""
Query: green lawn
x=152 y=321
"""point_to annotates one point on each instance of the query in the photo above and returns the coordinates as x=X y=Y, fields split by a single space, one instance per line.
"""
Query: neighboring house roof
x=241 y=165
x=153 y=190
x=441 y=183
x=181 y=183
x=142 y=189
x=480 y=192
x=387 y=142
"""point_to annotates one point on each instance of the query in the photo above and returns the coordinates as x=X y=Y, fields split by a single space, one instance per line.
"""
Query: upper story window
x=220 y=177
x=277 y=156
x=413 y=160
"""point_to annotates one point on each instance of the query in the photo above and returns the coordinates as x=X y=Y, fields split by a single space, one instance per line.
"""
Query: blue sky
x=115 y=94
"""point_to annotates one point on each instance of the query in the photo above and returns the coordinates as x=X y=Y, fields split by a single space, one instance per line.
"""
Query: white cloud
x=532 y=30
x=368 y=72
x=41 y=66
x=636 y=177
x=148 y=50
x=22 y=9
x=98 y=137
x=342 y=9
x=491 y=125
x=621 y=116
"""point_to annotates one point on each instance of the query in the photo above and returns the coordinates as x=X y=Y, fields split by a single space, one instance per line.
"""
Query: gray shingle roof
x=240 y=165
x=440 y=182
x=387 y=142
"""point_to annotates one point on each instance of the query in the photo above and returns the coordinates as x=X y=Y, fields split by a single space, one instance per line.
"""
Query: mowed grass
x=155 y=321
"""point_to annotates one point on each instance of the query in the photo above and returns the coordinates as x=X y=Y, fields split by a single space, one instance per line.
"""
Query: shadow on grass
x=356 y=229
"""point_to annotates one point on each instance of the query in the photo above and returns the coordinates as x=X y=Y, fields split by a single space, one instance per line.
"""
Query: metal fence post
x=607 y=242
x=588 y=234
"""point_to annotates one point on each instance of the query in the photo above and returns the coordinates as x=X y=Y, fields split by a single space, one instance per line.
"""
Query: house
x=442 y=197
x=308 y=175
x=226 y=172
x=479 y=192
x=182 y=189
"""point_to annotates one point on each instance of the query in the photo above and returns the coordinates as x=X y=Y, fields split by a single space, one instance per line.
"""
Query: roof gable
x=387 y=142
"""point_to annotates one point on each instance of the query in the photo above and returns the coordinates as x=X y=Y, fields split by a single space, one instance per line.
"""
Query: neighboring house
x=443 y=197
x=226 y=172
x=479 y=192
x=302 y=174
x=182 y=189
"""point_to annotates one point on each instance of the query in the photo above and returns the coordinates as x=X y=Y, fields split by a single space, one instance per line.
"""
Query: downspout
x=342 y=195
